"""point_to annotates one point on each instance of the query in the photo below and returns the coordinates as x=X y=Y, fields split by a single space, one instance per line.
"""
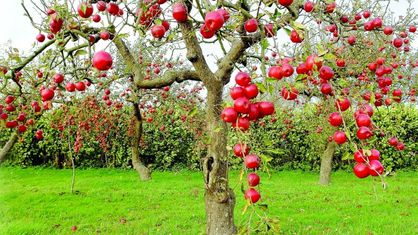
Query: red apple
x=393 y=141
x=326 y=89
x=206 y=32
x=214 y=20
x=40 y=37
x=364 y=133
x=158 y=31
x=265 y=108
x=252 y=161
x=285 y=3
x=397 y=42
x=253 y=179
x=340 y=137
x=102 y=60
x=224 y=13
x=251 y=25
x=12 y=124
x=295 y=37
x=251 y=91
x=101 y=5
x=326 y=73
x=113 y=8
x=179 y=12
x=252 y=195
x=70 y=87
x=58 y=78
x=269 y=30
x=47 y=94
x=400 y=146
x=275 y=72
x=375 y=154
x=335 y=119
x=104 y=35
x=80 y=86
x=242 y=105
x=289 y=95
x=361 y=170
x=229 y=115
x=343 y=104
x=308 y=6
x=242 y=78
x=375 y=168
x=85 y=10
x=241 y=150
x=9 y=99
x=363 y=120
x=243 y=123
x=237 y=92
x=359 y=156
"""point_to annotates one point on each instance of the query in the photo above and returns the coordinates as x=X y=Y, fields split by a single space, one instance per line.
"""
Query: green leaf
x=264 y=207
x=264 y=43
x=158 y=21
x=267 y=141
x=261 y=87
x=269 y=79
x=288 y=31
x=346 y=156
x=298 y=25
x=123 y=35
x=329 y=56
x=80 y=53
x=265 y=158
x=275 y=151
x=193 y=112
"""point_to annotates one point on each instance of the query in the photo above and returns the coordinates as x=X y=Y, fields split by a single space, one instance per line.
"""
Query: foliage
x=296 y=139
x=290 y=140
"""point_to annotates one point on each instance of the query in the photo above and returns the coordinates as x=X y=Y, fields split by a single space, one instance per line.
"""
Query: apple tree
x=236 y=35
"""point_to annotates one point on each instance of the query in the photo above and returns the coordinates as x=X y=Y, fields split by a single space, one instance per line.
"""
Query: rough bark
x=143 y=172
x=219 y=198
x=6 y=148
x=326 y=164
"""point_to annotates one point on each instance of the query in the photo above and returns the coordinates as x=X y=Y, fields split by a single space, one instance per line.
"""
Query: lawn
x=109 y=201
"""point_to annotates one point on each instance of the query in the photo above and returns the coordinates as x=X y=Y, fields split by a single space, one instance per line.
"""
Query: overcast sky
x=17 y=28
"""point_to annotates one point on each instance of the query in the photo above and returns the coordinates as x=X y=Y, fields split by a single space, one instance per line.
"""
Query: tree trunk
x=143 y=172
x=219 y=198
x=6 y=148
x=326 y=164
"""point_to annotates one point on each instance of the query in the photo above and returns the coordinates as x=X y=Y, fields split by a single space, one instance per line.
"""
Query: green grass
x=37 y=201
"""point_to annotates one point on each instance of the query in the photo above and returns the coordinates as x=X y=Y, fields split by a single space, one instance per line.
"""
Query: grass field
x=37 y=201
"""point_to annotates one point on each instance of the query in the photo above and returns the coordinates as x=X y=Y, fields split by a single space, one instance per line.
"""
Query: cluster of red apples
x=367 y=161
x=8 y=113
x=85 y=11
x=240 y=115
x=148 y=15
x=17 y=117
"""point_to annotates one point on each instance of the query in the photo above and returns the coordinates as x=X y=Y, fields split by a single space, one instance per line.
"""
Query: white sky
x=17 y=28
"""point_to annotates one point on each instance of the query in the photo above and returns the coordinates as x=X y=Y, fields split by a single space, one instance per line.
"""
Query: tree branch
x=33 y=55
x=226 y=65
x=169 y=78
x=194 y=51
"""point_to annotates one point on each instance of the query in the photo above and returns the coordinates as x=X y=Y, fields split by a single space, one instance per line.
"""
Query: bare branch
x=169 y=78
